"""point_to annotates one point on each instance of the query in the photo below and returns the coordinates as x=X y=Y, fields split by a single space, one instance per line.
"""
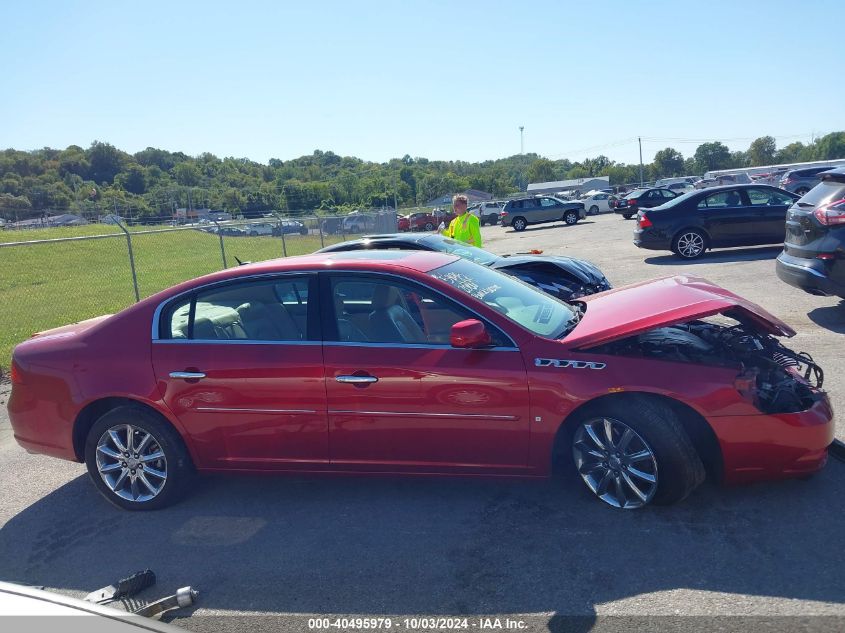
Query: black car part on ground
x=778 y=379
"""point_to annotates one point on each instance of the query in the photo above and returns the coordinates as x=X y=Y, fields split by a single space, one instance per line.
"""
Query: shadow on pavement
x=549 y=225
x=830 y=317
x=436 y=546
x=727 y=255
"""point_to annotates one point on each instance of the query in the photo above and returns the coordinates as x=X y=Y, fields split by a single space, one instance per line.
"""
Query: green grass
x=51 y=284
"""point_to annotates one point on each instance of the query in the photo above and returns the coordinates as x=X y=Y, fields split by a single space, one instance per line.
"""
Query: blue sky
x=444 y=80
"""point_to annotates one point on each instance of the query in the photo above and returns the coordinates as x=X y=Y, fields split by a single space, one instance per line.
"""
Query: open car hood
x=582 y=270
x=634 y=309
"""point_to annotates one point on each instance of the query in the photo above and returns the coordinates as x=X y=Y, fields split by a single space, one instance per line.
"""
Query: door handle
x=356 y=380
x=187 y=375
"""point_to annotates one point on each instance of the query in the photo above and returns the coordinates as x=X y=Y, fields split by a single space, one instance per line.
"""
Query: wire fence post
x=320 y=228
x=222 y=248
x=131 y=259
x=281 y=226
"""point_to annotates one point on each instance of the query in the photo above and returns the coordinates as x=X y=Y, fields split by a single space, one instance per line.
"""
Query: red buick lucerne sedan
x=422 y=363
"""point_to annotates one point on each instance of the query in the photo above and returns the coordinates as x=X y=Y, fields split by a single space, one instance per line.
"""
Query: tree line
x=153 y=182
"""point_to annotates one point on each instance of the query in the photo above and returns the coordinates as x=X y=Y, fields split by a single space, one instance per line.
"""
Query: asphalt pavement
x=267 y=552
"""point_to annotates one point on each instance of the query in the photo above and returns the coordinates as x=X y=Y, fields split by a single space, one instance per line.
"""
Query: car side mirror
x=469 y=334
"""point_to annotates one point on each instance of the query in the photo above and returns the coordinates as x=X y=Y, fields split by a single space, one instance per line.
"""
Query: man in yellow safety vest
x=464 y=227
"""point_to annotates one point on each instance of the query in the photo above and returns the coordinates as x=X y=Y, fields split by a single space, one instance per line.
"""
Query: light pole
x=521 y=144
x=640 y=140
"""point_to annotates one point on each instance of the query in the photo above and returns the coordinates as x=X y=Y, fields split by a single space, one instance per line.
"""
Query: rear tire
x=801 y=191
x=519 y=224
x=429 y=226
x=689 y=244
x=646 y=456
x=570 y=218
x=153 y=477
x=627 y=216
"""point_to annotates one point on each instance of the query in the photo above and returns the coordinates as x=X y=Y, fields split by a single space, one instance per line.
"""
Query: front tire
x=570 y=218
x=137 y=460
x=689 y=244
x=429 y=226
x=635 y=453
x=627 y=216
x=519 y=224
x=801 y=191
x=594 y=210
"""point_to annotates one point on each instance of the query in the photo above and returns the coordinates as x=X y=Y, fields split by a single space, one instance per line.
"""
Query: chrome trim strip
x=239 y=341
x=425 y=415
x=419 y=346
x=237 y=410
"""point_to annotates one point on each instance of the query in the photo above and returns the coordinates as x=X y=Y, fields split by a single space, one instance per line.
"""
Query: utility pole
x=521 y=144
x=640 y=141
x=395 y=204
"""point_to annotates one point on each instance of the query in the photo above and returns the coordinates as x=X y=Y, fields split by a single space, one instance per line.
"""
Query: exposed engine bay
x=776 y=378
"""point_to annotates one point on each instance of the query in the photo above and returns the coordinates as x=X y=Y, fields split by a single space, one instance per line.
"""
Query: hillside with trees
x=153 y=182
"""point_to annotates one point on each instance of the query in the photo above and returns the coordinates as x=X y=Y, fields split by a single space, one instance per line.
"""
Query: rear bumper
x=651 y=240
x=779 y=446
x=40 y=425
x=810 y=275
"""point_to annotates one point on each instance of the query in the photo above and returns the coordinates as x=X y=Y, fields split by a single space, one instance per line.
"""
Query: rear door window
x=767 y=197
x=721 y=200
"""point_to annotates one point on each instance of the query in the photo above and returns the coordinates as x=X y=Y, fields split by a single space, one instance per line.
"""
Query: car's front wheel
x=429 y=226
x=594 y=210
x=627 y=216
x=137 y=460
x=570 y=217
x=801 y=190
x=634 y=453
x=689 y=244
x=519 y=224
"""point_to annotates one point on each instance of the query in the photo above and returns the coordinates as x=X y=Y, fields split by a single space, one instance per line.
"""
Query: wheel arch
x=96 y=409
x=700 y=432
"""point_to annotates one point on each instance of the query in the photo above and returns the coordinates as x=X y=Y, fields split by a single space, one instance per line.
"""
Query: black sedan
x=563 y=277
x=734 y=215
x=643 y=198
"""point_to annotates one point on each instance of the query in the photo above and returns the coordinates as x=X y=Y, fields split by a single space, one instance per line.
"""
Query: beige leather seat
x=390 y=322
x=268 y=322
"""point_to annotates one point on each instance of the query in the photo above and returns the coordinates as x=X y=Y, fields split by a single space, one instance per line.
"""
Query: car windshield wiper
x=576 y=318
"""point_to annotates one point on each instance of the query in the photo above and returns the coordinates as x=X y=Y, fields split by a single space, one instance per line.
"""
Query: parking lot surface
x=359 y=546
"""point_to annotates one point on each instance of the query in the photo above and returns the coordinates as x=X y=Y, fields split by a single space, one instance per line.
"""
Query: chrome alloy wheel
x=690 y=244
x=615 y=462
x=131 y=463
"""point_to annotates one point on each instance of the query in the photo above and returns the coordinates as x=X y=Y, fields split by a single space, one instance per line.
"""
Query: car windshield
x=538 y=312
x=461 y=249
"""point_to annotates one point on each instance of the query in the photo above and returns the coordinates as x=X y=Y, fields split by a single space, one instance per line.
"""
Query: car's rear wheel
x=429 y=226
x=594 y=210
x=635 y=453
x=137 y=460
x=627 y=216
x=802 y=190
x=570 y=217
x=689 y=244
x=519 y=224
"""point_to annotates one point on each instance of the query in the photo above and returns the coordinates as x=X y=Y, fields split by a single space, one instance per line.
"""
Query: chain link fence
x=52 y=277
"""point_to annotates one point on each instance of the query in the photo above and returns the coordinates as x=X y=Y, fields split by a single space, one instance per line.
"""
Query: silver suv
x=538 y=209
x=800 y=181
